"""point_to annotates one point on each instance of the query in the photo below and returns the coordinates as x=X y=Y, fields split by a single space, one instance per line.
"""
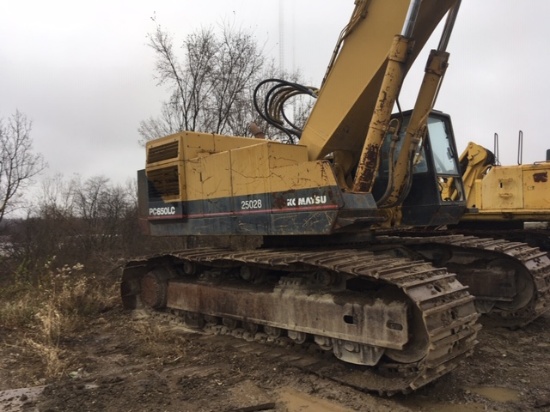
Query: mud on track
x=129 y=362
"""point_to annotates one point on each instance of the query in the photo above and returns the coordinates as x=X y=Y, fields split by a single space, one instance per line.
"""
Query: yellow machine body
x=209 y=166
x=201 y=183
x=506 y=193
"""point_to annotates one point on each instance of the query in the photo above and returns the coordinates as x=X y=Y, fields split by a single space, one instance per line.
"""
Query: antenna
x=281 y=36
x=495 y=149
x=293 y=33
x=520 y=147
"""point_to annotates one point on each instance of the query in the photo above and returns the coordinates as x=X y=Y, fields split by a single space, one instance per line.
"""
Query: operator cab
x=436 y=195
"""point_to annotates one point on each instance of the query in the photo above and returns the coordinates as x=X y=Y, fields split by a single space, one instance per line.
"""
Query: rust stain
x=369 y=168
x=541 y=177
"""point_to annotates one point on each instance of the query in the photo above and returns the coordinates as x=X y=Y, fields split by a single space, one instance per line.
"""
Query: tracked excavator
x=322 y=268
x=502 y=203
x=505 y=201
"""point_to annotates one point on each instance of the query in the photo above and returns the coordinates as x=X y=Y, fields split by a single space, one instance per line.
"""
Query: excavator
x=505 y=201
x=502 y=203
x=312 y=258
x=508 y=202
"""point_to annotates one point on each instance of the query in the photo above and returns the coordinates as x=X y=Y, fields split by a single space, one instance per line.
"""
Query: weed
x=59 y=303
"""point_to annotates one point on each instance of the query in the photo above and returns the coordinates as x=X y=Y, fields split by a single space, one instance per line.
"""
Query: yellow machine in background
x=321 y=273
x=501 y=200
x=504 y=193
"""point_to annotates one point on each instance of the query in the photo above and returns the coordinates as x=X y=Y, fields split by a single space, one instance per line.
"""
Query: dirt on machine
x=321 y=260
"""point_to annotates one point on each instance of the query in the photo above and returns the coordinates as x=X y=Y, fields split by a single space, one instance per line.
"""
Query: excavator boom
x=348 y=97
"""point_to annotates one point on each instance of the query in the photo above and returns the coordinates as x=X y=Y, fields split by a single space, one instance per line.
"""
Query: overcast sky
x=83 y=73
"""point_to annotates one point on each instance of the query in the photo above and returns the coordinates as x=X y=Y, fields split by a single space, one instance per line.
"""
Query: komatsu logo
x=162 y=211
x=306 y=201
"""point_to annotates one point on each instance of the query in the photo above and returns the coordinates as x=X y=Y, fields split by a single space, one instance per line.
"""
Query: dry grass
x=60 y=302
x=159 y=339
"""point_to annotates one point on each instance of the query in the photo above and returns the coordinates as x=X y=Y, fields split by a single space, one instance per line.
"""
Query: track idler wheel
x=524 y=286
x=154 y=285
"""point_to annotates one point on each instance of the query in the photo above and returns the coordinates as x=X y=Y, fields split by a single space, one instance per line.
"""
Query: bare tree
x=18 y=163
x=211 y=88
x=217 y=87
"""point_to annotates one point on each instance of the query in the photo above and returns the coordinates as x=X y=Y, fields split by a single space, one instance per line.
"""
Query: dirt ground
x=127 y=361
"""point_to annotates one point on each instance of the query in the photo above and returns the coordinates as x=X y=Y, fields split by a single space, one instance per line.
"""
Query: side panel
x=297 y=212
x=512 y=194
x=215 y=175
x=263 y=188
x=536 y=187
x=250 y=170
x=195 y=145
x=193 y=178
x=502 y=188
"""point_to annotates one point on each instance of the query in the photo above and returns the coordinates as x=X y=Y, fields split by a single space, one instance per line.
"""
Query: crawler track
x=441 y=318
x=533 y=237
x=465 y=255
